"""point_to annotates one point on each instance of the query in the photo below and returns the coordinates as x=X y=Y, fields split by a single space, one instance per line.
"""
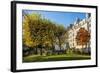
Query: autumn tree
x=37 y=31
x=29 y=39
x=41 y=33
x=82 y=37
x=59 y=33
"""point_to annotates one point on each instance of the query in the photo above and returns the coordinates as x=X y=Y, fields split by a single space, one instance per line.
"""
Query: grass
x=38 y=58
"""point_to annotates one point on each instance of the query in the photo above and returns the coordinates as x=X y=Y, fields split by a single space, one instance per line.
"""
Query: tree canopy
x=39 y=31
x=83 y=36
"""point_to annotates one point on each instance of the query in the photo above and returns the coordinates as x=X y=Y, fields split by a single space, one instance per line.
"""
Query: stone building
x=74 y=28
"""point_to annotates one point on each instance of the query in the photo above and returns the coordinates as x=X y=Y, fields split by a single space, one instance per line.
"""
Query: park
x=44 y=40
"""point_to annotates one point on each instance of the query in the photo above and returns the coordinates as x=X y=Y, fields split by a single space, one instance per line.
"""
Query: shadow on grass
x=38 y=58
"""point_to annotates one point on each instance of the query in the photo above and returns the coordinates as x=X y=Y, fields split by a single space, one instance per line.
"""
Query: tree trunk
x=36 y=50
x=59 y=42
x=82 y=49
x=52 y=48
x=41 y=51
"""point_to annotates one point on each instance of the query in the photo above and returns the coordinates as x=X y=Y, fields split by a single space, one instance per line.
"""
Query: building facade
x=74 y=28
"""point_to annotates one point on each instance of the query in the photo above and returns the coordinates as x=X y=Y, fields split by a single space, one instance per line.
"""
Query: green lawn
x=38 y=58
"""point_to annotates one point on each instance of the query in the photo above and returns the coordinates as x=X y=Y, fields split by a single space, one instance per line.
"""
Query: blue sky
x=63 y=18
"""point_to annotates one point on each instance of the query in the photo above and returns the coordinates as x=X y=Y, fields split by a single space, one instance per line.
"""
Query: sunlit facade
x=74 y=28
